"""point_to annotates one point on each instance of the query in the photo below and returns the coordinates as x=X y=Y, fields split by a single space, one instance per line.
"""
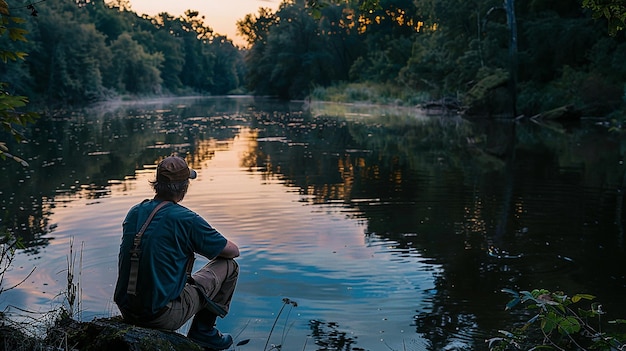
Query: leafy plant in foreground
x=10 y=115
x=557 y=324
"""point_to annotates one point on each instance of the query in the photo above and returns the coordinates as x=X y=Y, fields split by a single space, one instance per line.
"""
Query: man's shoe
x=212 y=340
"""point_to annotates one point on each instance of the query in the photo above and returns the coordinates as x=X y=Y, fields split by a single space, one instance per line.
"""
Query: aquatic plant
x=556 y=324
x=286 y=302
x=73 y=293
x=8 y=244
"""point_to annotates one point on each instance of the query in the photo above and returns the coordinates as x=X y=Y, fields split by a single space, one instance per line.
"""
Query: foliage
x=371 y=93
x=559 y=322
x=442 y=48
x=614 y=11
x=11 y=117
x=88 y=51
x=8 y=244
x=292 y=58
x=133 y=69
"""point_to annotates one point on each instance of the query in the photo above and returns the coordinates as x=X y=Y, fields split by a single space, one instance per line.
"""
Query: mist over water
x=390 y=229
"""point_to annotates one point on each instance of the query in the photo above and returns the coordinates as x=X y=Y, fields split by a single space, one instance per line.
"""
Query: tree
x=292 y=51
x=11 y=117
x=338 y=26
x=256 y=31
x=110 y=21
x=614 y=11
x=197 y=70
x=227 y=59
x=135 y=70
x=71 y=56
x=159 y=41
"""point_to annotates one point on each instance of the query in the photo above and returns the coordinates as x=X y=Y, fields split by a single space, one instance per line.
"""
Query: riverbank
x=67 y=334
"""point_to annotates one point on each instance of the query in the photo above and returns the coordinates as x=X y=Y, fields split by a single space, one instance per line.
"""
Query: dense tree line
x=565 y=53
x=80 y=51
x=568 y=52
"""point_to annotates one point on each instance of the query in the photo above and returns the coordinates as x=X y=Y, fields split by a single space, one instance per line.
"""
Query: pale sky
x=220 y=15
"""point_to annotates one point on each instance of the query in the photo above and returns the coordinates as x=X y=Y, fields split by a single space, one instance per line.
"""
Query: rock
x=114 y=334
x=489 y=96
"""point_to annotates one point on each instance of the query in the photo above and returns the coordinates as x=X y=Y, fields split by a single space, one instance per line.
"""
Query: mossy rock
x=114 y=334
x=481 y=89
x=489 y=95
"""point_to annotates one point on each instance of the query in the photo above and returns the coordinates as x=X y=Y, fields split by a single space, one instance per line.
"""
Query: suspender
x=136 y=251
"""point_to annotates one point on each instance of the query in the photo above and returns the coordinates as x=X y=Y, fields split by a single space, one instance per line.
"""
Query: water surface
x=390 y=229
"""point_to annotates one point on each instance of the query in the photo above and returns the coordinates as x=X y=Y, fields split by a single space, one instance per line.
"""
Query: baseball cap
x=174 y=169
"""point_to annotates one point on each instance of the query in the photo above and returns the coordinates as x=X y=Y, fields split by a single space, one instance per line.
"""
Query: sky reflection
x=317 y=255
x=396 y=232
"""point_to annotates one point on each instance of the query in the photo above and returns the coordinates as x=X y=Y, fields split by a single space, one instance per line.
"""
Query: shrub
x=557 y=325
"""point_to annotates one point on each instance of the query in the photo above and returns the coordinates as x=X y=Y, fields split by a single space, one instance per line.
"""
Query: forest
x=563 y=53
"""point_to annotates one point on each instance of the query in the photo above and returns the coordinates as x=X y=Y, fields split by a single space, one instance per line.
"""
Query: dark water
x=391 y=230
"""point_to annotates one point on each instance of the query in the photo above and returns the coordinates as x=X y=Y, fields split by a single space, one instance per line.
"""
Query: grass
x=49 y=331
x=370 y=93
x=31 y=330
x=40 y=331
x=286 y=302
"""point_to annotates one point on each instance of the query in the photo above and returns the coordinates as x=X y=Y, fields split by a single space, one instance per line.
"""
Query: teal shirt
x=174 y=234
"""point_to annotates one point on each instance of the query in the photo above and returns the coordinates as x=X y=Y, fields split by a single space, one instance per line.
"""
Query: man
x=154 y=287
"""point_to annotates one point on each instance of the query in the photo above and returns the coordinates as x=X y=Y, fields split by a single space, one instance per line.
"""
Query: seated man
x=155 y=287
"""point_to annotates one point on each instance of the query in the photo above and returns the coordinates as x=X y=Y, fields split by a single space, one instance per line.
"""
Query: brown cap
x=174 y=169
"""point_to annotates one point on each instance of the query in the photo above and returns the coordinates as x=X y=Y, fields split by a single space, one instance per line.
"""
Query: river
x=390 y=229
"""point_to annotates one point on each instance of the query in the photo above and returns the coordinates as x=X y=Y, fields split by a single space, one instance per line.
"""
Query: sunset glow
x=220 y=16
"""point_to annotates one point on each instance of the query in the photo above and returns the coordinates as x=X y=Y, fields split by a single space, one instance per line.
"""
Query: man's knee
x=228 y=266
x=233 y=267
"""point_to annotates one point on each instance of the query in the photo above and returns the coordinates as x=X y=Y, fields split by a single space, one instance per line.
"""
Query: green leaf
x=17 y=34
x=20 y=55
x=4 y=8
x=586 y=314
x=569 y=325
x=316 y=13
x=18 y=20
x=579 y=297
x=549 y=323
x=7 y=55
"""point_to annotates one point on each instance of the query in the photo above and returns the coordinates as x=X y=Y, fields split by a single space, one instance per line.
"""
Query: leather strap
x=136 y=251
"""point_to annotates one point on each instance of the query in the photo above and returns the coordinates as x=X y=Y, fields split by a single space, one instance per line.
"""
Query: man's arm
x=231 y=250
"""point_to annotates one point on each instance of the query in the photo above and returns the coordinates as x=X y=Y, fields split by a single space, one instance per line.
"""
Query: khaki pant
x=216 y=280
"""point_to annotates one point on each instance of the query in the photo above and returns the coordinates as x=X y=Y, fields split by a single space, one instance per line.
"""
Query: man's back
x=170 y=240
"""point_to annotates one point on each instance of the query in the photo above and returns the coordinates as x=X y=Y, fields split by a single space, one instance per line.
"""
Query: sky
x=220 y=15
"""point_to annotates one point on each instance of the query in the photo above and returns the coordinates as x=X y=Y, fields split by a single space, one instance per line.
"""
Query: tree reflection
x=327 y=336
x=463 y=194
x=444 y=188
x=78 y=155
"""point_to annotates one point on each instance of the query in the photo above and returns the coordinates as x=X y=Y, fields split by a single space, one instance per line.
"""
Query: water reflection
x=391 y=230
